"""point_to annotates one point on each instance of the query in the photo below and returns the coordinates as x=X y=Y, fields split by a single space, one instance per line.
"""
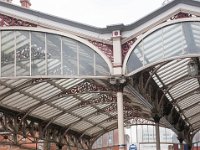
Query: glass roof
x=181 y=87
x=171 y=50
x=83 y=111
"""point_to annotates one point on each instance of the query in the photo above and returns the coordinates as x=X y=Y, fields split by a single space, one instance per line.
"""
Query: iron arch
x=51 y=50
x=153 y=47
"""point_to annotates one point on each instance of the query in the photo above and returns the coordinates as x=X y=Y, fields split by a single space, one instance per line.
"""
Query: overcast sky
x=97 y=13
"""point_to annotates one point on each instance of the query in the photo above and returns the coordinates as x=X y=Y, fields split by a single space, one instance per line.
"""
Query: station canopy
x=64 y=80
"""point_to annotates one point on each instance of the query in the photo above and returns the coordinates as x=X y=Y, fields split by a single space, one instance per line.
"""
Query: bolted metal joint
x=118 y=82
x=156 y=118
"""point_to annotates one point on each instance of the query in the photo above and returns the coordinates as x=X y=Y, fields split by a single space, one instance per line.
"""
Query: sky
x=99 y=13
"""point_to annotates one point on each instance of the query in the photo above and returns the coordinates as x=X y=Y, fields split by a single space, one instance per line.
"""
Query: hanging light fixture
x=192 y=68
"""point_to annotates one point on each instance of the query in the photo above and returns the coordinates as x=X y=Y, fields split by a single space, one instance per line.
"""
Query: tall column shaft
x=157 y=136
x=181 y=146
x=120 y=121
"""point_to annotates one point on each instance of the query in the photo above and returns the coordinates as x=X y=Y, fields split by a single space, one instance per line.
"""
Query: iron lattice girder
x=24 y=115
x=157 y=98
x=88 y=87
x=33 y=128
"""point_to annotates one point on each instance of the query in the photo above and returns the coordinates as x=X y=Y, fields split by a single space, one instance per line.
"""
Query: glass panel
x=162 y=134
x=153 y=48
x=195 y=34
x=22 y=53
x=145 y=135
x=136 y=59
x=151 y=133
x=38 y=64
x=101 y=66
x=69 y=56
x=7 y=53
x=86 y=60
x=54 y=54
x=174 y=40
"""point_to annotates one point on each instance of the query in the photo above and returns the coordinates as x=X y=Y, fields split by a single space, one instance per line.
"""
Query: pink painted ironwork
x=126 y=47
x=181 y=15
x=86 y=87
x=102 y=99
x=112 y=108
x=105 y=48
x=6 y=21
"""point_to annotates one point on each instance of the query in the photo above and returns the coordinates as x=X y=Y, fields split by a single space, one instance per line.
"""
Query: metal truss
x=13 y=130
x=155 y=96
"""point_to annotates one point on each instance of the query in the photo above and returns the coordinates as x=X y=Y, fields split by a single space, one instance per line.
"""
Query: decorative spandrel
x=126 y=46
x=105 y=48
x=85 y=87
x=11 y=21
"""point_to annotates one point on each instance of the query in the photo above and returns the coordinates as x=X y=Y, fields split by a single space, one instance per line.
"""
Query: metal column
x=156 y=118
x=120 y=120
x=157 y=136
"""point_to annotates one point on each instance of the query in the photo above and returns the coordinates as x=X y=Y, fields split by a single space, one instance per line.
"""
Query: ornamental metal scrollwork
x=111 y=108
x=181 y=15
x=86 y=87
x=105 y=48
x=102 y=99
x=10 y=21
x=126 y=47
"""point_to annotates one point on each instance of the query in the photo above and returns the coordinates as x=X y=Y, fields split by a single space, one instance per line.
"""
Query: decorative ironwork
x=14 y=131
x=112 y=108
x=102 y=99
x=23 y=54
x=126 y=47
x=86 y=87
x=157 y=97
x=11 y=21
x=181 y=15
x=105 y=48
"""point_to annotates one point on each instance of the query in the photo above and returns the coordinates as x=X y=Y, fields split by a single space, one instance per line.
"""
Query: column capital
x=180 y=140
x=118 y=82
x=156 y=118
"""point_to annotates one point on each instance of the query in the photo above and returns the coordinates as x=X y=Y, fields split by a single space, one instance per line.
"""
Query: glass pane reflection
x=37 y=53
x=22 y=53
x=7 y=53
x=69 y=57
x=86 y=60
x=32 y=53
x=170 y=41
x=54 y=54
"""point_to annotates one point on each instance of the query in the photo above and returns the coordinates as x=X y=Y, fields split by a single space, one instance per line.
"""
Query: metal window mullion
x=15 y=57
x=30 y=73
x=46 y=61
x=143 y=52
x=0 y=52
x=94 y=63
x=78 y=61
x=61 y=53
x=148 y=132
